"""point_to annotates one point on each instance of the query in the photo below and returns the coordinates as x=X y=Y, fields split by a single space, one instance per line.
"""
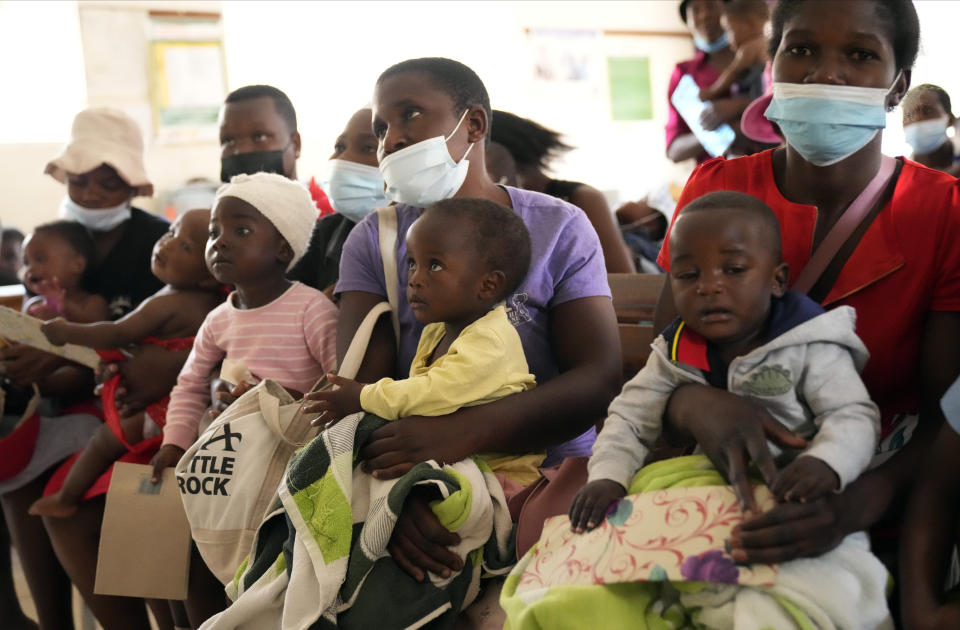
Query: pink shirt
x=292 y=340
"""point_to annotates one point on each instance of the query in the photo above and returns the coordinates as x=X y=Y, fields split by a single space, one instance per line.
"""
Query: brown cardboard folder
x=145 y=537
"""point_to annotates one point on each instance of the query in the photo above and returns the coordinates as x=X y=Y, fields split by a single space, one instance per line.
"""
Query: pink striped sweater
x=292 y=340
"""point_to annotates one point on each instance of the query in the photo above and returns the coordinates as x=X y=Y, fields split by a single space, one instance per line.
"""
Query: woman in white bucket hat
x=102 y=168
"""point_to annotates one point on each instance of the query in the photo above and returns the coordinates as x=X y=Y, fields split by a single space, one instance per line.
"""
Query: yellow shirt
x=483 y=364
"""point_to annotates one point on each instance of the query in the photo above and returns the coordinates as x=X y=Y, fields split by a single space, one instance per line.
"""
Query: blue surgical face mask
x=828 y=123
x=710 y=47
x=926 y=136
x=355 y=190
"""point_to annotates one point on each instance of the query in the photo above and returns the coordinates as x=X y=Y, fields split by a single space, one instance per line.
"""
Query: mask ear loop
x=459 y=122
x=447 y=139
x=896 y=79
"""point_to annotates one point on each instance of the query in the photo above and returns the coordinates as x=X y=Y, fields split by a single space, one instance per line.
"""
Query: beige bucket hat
x=103 y=135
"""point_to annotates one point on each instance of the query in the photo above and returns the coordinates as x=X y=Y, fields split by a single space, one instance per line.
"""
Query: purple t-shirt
x=566 y=264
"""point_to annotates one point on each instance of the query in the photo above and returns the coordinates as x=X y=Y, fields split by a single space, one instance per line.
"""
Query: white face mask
x=425 y=173
x=354 y=189
x=926 y=136
x=98 y=220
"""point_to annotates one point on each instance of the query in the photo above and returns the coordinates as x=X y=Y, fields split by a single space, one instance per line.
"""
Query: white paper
x=686 y=98
x=22 y=328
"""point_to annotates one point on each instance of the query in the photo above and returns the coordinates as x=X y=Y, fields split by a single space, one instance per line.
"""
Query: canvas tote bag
x=229 y=477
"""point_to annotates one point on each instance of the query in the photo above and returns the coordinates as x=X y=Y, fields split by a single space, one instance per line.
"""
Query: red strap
x=112 y=356
x=174 y=345
x=110 y=414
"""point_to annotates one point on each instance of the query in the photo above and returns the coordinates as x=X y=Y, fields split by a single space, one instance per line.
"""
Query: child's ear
x=491 y=285
x=78 y=264
x=781 y=275
x=285 y=253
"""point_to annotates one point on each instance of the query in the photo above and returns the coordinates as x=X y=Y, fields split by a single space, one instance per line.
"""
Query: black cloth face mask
x=250 y=163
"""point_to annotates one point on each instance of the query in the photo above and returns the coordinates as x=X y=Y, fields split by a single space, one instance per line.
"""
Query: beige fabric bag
x=229 y=477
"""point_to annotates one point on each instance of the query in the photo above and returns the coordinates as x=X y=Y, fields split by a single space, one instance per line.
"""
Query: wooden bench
x=634 y=300
x=12 y=296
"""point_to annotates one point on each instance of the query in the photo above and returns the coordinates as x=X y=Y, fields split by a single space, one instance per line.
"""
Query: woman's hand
x=24 y=364
x=397 y=447
x=732 y=432
x=419 y=542
x=791 y=530
x=166 y=457
x=148 y=375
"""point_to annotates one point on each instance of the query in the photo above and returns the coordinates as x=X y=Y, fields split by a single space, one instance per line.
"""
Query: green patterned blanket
x=320 y=558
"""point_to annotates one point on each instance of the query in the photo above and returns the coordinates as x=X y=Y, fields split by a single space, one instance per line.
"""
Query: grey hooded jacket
x=807 y=378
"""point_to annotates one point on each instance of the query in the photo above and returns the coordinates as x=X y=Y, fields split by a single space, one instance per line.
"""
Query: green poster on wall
x=630 y=88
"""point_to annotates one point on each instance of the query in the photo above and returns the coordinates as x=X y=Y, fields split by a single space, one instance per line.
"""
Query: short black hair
x=78 y=238
x=937 y=91
x=12 y=234
x=530 y=143
x=747 y=8
x=499 y=236
x=460 y=83
x=683 y=9
x=730 y=200
x=280 y=101
x=899 y=16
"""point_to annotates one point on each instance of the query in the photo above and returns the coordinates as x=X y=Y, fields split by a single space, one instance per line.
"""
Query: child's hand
x=55 y=331
x=225 y=396
x=805 y=479
x=166 y=457
x=706 y=93
x=335 y=403
x=590 y=506
x=52 y=297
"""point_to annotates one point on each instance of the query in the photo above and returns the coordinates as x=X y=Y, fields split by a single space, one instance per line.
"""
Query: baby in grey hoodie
x=740 y=329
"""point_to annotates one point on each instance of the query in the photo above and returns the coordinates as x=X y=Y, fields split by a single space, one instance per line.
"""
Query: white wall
x=44 y=86
x=326 y=56
x=341 y=47
x=61 y=56
x=936 y=63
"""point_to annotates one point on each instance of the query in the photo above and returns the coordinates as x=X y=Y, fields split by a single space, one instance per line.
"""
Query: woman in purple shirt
x=562 y=311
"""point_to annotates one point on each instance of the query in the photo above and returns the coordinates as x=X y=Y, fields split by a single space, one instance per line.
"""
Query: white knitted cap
x=285 y=203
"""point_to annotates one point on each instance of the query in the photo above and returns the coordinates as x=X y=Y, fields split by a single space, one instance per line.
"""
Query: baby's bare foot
x=53 y=505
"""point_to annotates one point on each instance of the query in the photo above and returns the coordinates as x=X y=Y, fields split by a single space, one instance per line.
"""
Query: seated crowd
x=805 y=349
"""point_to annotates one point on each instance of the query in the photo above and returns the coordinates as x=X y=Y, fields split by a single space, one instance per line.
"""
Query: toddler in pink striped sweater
x=282 y=330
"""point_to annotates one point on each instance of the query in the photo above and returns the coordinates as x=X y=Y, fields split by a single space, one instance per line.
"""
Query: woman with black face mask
x=258 y=134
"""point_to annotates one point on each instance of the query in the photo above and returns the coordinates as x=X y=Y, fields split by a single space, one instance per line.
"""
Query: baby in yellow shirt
x=464 y=257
